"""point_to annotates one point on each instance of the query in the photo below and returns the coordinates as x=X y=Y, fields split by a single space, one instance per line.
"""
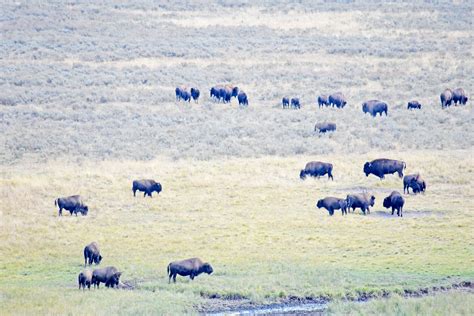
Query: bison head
x=319 y=204
x=365 y=109
x=97 y=259
x=367 y=168
x=235 y=91
x=207 y=268
x=115 y=279
x=157 y=187
x=387 y=202
x=302 y=174
x=84 y=210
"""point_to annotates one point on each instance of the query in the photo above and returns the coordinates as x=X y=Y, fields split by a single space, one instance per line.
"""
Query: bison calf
x=92 y=254
x=85 y=279
x=109 y=275
x=317 y=169
x=396 y=202
x=73 y=204
x=332 y=203
x=415 y=182
x=192 y=267
x=147 y=186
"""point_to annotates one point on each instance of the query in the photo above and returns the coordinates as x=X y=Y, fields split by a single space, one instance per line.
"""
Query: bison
x=337 y=99
x=295 y=103
x=413 y=105
x=332 y=203
x=109 y=275
x=415 y=182
x=323 y=100
x=459 y=96
x=192 y=267
x=215 y=92
x=375 y=106
x=396 y=202
x=92 y=254
x=182 y=93
x=85 y=279
x=317 y=169
x=363 y=201
x=195 y=94
x=285 y=102
x=73 y=204
x=242 y=98
x=381 y=167
x=148 y=186
x=446 y=98
x=325 y=127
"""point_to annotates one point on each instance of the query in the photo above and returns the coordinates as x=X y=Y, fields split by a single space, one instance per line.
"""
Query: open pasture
x=87 y=105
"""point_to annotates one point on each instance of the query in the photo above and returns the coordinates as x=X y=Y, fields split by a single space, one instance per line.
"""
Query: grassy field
x=253 y=219
x=87 y=105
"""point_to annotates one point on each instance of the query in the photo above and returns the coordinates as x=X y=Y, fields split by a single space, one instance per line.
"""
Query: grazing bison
x=375 y=106
x=85 y=279
x=182 y=94
x=396 y=202
x=415 y=182
x=109 y=275
x=323 y=100
x=459 y=96
x=147 y=186
x=413 y=105
x=242 y=97
x=215 y=92
x=325 y=127
x=192 y=267
x=73 y=204
x=381 y=167
x=446 y=98
x=317 y=169
x=285 y=102
x=332 y=203
x=295 y=103
x=92 y=254
x=337 y=99
x=227 y=92
x=195 y=94
x=363 y=201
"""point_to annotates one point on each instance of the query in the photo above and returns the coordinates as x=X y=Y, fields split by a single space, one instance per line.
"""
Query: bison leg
x=150 y=194
x=191 y=276
x=144 y=194
x=60 y=211
x=174 y=277
x=393 y=210
x=330 y=176
x=400 y=174
x=134 y=192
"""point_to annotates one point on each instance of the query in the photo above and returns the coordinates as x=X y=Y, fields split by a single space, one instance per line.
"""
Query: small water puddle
x=276 y=309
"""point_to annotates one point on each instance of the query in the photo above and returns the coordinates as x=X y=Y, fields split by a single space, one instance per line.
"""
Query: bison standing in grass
x=192 y=267
x=363 y=201
x=323 y=100
x=325 y=127
x=85 y=279
x=381 y=167
x=415 y=182
x=195 y=94
x=459 y=95
x=375 y=107
x=396 y=202
x=446 y=98
x=73 y=204
x=92 y=254
x=317 y=169
x=285 y=102
x=337 y=99
x=295 y=103
x=414 y=105
x=242 y=98
x=109 y=275
x=332 y=203
x=148 y=186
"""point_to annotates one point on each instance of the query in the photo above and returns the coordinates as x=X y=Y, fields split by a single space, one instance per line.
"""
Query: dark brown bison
x=285 y=102
x=396 y=202
x=317 y=169
x=381 y=167
x=192 y=267
x=148 y=186
x=375 y=106
x=413 y=105
x=446 y=98
x=109 y=275
x=415 y=182
x=73 y=204
x=363 y=201
x=325 y=127
x=323 y=100
x=295 y=103
x=332 y=203
x=195 y=93
x=85 y=279
x=337 y=99
x=92 y=254
x=459 y=96
x=242 y=98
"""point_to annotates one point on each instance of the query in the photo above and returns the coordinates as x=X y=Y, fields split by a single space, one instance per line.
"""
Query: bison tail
x=168 y=269
x=404 y=165
x=56 y=202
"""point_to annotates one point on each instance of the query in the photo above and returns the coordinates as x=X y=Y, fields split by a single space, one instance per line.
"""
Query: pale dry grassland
x=253 y=219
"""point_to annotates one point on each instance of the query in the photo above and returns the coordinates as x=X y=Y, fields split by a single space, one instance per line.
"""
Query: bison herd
x=364 y=201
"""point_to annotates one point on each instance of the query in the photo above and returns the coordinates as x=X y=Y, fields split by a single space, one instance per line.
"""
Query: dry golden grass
x=253 y=219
